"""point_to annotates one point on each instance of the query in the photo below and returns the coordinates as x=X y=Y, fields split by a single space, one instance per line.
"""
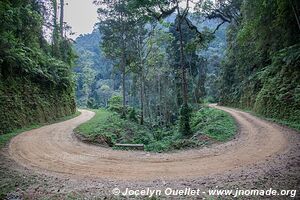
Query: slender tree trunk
x=62 y=4
x=142 y=99
x=183 y=68
x=54 y=3
x=166 y=122
x=146 y=114
x=123 y=82
x=148 y=102
x=55 y=30
x=123 y=62
x=160 y=100
x=295 y=13
x=184 y=124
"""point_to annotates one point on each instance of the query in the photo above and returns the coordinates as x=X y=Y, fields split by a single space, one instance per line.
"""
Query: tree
x=106 y=93
x=62 y=4
x=116 y=26
x=55 y=34
x=149 y=44
x=158 y=11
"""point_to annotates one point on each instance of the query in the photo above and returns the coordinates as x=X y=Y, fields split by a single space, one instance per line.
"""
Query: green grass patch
x=5 y=138
x=107 y=128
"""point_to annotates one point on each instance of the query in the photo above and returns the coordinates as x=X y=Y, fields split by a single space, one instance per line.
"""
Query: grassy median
x=209 y=125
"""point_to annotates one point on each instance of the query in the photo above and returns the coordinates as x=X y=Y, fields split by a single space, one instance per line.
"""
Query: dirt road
x=54 y=149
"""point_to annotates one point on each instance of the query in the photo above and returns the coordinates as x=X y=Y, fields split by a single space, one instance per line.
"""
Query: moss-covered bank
x=24 y=102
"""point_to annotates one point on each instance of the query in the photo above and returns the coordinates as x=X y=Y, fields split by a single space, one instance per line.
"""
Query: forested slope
x=94 y=77
x=261 y=71
x=35 y=77
x=97 y=79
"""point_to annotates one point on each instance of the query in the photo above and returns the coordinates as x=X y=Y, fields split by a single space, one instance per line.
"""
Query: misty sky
x=81 y=15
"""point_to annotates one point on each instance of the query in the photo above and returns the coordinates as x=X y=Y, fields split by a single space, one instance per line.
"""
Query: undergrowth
x=208 y=125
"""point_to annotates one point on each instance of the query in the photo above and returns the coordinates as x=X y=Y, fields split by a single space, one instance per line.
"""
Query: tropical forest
x=149 y=99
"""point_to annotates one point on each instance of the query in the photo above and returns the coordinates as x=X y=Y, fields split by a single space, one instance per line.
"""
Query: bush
x=215 y=124
x=115 y=104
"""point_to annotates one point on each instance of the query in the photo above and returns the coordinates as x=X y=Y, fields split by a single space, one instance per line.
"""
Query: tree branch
x=193 y=27
x=217 y=28
x=163 y=14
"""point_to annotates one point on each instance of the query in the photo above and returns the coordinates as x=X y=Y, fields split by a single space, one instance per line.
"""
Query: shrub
x=115 y=104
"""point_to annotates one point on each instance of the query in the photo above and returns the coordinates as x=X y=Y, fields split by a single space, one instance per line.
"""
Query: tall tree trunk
x=142 y=99
x=182 y=65
x=295 y=14
x=148 y=105
x=123 y=86
x=123 y=83
x=184 y=124
x=62 y=4
x=160 y=100
x=55 y=30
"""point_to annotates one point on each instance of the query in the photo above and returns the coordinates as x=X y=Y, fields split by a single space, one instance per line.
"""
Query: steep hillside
x=261 y=71
x=36 y=82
